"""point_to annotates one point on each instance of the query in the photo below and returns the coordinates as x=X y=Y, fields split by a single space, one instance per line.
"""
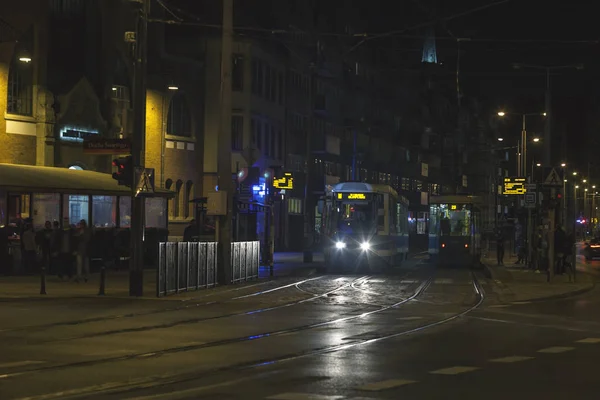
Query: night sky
x=507 y=32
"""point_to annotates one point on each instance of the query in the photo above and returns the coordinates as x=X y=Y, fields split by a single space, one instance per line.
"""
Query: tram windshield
x=355 y=217
x=455 y=220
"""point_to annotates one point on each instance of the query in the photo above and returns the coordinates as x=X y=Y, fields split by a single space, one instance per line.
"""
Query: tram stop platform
x=514 y=283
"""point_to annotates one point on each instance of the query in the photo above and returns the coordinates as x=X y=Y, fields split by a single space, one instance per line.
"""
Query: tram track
x=191 y=321
x=30 y=328
x=120 y=389
x=179 y=349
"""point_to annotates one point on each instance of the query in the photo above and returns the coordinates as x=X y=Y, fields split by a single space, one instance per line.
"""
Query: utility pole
x=308 y=207
x=547 y=131
x=225 y=180
x=136 y=266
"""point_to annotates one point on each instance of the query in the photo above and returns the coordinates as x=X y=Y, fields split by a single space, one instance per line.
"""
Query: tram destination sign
x=514 y=186
x=352 y=196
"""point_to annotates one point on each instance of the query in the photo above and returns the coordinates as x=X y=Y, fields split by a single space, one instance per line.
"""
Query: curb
x=489 y=275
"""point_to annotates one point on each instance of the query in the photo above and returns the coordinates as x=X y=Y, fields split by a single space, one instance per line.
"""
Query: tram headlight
x=364 y=246
x=340 y=245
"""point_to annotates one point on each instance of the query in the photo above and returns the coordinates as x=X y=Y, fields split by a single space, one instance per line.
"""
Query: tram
x=365 y=226
x=454 y=230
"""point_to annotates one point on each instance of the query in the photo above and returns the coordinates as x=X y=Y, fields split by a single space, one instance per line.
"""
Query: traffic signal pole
x=136 y=265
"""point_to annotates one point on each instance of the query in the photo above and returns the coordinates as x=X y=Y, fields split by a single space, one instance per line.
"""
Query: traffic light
x=124 y=172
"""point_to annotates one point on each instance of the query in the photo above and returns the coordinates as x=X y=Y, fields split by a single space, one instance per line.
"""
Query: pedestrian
x=82 y=254
x=190 y=233
x=67 y=249
x=55 y=248
x=29 y=246
x=560 y=243
x=44 y=237
x=500 y=247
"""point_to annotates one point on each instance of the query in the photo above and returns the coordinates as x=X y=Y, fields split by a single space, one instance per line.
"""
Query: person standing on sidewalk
x=66 y=250
x=500 y=247
x=84 y=236
x=29 y=246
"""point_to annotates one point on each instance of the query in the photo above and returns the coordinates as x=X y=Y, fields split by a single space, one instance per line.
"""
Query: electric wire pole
x=136 y=266
x=224 y=174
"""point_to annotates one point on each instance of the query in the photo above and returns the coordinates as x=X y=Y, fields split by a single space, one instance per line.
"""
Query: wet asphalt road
x=428 y=335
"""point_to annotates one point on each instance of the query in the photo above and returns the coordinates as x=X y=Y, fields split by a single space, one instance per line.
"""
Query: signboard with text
x=287 y=182
x=106 y=146
x=514 y=186
x=352 y=196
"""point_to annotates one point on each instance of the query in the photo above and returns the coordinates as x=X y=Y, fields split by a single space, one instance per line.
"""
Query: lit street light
x=538 y=164
x=500 y=139
x=563 y=165
x=501 y=113
x=536 y=139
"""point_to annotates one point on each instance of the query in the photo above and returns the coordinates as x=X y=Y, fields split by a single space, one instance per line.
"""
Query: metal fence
x=245 y=258
x=188 y=266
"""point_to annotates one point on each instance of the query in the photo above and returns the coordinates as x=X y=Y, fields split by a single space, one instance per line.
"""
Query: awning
x=36 y=179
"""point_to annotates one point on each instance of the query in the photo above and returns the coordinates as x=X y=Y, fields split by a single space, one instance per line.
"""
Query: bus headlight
x=340 y=245
x=364 y=246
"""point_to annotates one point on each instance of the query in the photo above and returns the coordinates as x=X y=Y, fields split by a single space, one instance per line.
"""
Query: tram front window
x=354 y=218
x=455 y=220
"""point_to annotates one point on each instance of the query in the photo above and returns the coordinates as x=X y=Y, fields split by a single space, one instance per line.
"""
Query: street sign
x=553 y=179
x=514 y=186
x=144 y=178
x=106 y=146
x=530 y=199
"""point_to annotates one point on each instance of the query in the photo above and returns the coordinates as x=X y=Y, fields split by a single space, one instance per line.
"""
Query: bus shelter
x=59 y=194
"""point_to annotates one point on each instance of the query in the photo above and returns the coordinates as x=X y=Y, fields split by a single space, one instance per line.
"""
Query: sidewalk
x=117 y=282
x=514 y=283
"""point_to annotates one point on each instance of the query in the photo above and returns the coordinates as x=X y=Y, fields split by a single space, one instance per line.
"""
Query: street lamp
x=538 y=164
x=522 y=145
x=500 y=139
x=501 y=113
x=25 y=56
x=563 y=165
x=536 y=139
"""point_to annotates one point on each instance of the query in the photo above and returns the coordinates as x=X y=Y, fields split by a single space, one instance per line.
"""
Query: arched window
x=20 y=79
x=179 y=119
x=179 y=199
x=189 y=196
x=169 y=186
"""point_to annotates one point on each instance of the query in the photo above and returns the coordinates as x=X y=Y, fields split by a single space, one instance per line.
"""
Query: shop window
x=125 y=212
x=179 y=200
x=76 y=208
x=169 y=186
x=3 y=211
x=20 y=83
x=155 y=212
x=189 y=196
x=179 y=119
x=46 y=207
x=104 y=211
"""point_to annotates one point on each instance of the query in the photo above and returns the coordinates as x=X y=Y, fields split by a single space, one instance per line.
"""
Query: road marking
x=187 y=392
x=409 y=318
x=557 y=349
x=384 y=385
x=521 y=302
x=590 y=340
x=453 y=370
x=16 y=364
x=304 y=396
x=511 y=359
x=444 y=281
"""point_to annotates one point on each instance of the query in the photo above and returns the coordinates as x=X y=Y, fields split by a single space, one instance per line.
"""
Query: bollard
x=102 y=281
x=43 y=281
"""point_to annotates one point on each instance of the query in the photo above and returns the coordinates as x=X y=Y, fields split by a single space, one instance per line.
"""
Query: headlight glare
x=365 y=246
x=340 y=245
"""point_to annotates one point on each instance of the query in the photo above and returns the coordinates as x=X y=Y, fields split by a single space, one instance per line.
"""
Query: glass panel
x=125 y=212
x=455 y=219
x=46 y=207
x=3 y=210
x=156 y=213
x=76 y=208
x=104 y=211
x=25 y=205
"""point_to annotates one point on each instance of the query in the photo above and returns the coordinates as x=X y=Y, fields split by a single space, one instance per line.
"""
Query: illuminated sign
x=75 y=134
x=514 y=186
x=287 y=182
x=453 y=207
x=259 y=190
x=352 y=196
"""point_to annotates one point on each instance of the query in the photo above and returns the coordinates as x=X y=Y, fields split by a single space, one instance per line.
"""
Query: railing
x=189 y=266
x=245 y=258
